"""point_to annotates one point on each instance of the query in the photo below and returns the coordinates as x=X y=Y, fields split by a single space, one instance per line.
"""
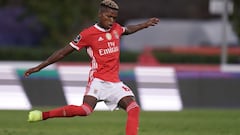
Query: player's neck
x=100 y=26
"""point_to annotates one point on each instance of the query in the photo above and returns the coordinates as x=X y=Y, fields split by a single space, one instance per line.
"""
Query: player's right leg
x=89 y=103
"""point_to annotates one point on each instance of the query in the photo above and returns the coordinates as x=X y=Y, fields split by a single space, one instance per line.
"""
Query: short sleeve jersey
x=103 y=47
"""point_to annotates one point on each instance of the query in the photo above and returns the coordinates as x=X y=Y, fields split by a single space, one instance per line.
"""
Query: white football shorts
x=109 y=92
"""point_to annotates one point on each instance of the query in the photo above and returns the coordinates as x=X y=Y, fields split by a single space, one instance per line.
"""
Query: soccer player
x=102 y=42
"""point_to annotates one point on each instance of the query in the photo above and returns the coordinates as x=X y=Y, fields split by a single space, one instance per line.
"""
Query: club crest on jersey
x=116 y=35
x=108 y=36
x=77 y=39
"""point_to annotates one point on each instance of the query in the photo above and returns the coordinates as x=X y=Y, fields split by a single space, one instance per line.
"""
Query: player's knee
x=133 y=108
x=87 y=109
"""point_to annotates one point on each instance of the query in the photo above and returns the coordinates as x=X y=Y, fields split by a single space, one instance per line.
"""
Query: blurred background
x=196 y=45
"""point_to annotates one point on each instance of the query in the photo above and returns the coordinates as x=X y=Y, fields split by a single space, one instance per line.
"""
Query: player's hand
x=30 y=71
x=152 y=22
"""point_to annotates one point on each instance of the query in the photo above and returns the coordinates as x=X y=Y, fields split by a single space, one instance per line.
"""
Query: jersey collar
x=100 y=28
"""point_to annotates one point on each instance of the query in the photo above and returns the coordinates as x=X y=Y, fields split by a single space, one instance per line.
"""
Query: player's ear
x=99 y=13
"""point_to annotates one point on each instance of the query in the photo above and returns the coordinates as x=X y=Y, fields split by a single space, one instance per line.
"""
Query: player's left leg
x=129 y=104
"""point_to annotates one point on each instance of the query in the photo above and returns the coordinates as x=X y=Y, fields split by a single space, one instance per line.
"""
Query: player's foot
x=35 y=116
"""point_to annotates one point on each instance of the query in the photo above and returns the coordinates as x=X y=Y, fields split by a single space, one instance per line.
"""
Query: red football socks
x=133 y=119
x=68 y=111
x=133 y=111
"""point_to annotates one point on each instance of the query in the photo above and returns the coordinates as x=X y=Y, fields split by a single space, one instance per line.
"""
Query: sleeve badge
x=77 y=39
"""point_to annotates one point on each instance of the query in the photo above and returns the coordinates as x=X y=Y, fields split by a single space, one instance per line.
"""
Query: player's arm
x=56 y=56
x=134 y=28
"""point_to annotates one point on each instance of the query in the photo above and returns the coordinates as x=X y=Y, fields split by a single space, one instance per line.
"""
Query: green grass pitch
x=187 y=122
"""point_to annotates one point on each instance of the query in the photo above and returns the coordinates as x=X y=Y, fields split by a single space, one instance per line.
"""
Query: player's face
x=107 y=18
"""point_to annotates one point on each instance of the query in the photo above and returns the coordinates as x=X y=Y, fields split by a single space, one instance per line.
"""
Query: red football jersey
x=103 y=46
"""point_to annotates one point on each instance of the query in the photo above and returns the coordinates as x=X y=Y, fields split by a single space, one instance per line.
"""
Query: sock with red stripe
x=133 y=111
x=68 y=111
